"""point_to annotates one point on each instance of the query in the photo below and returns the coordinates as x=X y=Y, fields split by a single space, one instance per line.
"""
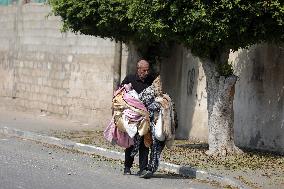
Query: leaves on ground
x=190 y=153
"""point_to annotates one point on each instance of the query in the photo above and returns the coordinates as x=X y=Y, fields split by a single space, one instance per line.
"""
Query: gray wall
x=184 y=80
x=42 y=69
x=259 y=98
x=258 y=104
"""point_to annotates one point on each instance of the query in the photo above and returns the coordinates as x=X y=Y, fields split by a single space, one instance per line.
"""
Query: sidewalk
x=253 y=170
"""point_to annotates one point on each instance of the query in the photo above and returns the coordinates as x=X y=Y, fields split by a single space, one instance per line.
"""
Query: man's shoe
x=146 y=174
x=127 y=171
x=139 y=173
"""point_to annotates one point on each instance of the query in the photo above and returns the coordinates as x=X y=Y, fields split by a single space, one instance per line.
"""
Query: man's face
x=143 y=70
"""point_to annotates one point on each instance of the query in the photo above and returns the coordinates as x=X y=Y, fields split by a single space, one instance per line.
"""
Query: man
x=140 y=81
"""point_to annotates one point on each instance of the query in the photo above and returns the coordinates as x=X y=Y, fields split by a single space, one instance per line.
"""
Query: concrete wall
x=259 y=97
x=42 y=69
x=184 y=80
x=258 y=104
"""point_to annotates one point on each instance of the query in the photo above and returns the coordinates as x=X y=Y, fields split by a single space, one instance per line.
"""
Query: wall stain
x=190 y=81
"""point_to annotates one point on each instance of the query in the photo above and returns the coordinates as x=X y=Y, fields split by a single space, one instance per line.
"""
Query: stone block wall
x=42 y=69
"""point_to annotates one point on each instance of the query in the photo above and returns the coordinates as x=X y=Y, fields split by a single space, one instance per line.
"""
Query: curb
x=90 y=149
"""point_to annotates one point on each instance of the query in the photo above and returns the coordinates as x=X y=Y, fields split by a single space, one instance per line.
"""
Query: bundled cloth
x=163 y=117
x=130 y=117
x=165 y=120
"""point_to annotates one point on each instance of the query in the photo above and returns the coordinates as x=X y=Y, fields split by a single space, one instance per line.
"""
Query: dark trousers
x=143 y=157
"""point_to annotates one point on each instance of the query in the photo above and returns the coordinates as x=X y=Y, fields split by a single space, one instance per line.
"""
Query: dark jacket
x=137 y=84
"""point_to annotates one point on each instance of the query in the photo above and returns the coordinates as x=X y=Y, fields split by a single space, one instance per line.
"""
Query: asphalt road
x=28 y=165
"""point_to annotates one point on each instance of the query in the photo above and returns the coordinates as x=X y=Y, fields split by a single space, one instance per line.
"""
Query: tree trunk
x=220 y=96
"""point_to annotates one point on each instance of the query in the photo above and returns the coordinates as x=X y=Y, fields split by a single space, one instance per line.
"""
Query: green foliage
x=103 y=18
x=112 y=19
x=150 y=19
x=225 y=69
x=207 y=27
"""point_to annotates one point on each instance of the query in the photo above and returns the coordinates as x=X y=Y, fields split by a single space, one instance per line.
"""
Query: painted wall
x=8 y=2
x=11 y=2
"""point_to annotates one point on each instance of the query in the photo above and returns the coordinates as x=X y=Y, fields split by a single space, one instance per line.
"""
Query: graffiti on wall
x=190 y=81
